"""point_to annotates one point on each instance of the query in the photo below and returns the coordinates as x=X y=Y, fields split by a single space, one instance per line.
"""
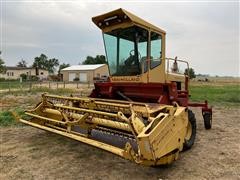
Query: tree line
x=50 y=64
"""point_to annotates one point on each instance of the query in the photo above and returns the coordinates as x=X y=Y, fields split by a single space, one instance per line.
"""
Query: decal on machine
x=125 y=78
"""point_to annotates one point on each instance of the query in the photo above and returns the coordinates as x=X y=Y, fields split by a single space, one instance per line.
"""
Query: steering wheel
x=131 y=54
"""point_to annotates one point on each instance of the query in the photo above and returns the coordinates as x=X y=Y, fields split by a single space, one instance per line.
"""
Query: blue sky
x=204 y=33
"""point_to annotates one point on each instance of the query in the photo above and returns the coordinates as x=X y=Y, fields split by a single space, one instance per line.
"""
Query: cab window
x=156 y=50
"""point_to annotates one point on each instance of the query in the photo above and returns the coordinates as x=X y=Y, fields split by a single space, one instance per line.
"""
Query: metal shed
x=84 y=73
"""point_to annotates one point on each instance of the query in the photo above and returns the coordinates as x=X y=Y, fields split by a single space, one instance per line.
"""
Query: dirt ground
x=29 y=153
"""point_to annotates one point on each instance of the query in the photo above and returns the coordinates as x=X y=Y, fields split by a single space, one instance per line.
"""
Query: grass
x=29 y=85
x=8 y=119
x=59 y=91
x=216 y=94
x=13 y=85
x=6 y=116
x=227 y=95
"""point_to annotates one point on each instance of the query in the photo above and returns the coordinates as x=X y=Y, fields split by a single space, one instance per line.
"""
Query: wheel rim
x=189 y=131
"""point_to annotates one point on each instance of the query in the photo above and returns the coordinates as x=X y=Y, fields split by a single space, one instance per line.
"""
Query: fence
x=29 y=86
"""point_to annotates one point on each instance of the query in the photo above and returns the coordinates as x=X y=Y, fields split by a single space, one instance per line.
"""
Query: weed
x=7 y=118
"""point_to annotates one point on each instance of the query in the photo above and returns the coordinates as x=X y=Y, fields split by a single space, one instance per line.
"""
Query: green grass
x=218 y=95
x=8 y=119
x=13 y=85
x=6 y=116
x=222 y=95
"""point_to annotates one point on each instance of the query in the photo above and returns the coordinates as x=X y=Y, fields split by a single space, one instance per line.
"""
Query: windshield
x=126 y=50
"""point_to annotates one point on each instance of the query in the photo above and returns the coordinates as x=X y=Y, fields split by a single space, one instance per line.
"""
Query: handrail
x=178 y=60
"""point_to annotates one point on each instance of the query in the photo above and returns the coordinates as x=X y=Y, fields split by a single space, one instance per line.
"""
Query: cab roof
x=119 y=17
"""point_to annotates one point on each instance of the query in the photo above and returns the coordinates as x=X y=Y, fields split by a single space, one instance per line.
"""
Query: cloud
x=206 y=34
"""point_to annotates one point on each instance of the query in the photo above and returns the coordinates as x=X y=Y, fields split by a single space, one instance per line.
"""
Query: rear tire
x=191 y=131
x=207 y=117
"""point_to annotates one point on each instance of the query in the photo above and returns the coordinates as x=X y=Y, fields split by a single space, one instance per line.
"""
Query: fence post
x=57 y=85
x=64 y=84
x=49 y=85
x=88 y=84
x=30 y=86
x=77 y=85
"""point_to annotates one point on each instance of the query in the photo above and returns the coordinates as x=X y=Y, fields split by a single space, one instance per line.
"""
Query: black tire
x=190 y=141
x=207 y=117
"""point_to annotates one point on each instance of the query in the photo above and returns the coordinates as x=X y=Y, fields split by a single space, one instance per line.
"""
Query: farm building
x=84 y=73
x=15 y=72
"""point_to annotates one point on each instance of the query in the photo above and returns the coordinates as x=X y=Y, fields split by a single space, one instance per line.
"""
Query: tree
x=40 y=62
x=89 y=60
x=22 y=63
x=62 y=66
x=191 y=73
x=99 y=59
x=43 y=62
x=2 y=66
x=51 y=64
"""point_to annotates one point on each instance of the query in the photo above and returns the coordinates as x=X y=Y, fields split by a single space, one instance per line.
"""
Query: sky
x=206 y=34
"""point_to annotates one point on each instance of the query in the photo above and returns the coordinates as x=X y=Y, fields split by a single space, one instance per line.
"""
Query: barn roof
x=83 y=67
x=20 y=68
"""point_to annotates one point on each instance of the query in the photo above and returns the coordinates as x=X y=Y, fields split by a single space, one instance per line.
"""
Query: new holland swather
x=141 y=112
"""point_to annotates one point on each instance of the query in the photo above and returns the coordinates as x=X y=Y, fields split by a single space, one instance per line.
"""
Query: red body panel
x=149 y=93
x=141 y=92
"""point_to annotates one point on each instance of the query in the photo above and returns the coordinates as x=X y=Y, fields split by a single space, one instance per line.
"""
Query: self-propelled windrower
x=141 y=112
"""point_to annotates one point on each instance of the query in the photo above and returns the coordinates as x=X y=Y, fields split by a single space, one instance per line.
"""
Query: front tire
x=191 y=131
x=207 y=117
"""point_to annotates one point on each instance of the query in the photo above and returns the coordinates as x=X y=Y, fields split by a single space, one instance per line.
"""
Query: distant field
x=59 y=88
x=16 y=85
x=218 y=91
x=220 y=95
x=216 y=81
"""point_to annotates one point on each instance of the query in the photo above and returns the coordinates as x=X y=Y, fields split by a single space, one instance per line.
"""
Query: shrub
x=76 y=79
x=54 y=78
x=23 y=76
x=33 y=78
